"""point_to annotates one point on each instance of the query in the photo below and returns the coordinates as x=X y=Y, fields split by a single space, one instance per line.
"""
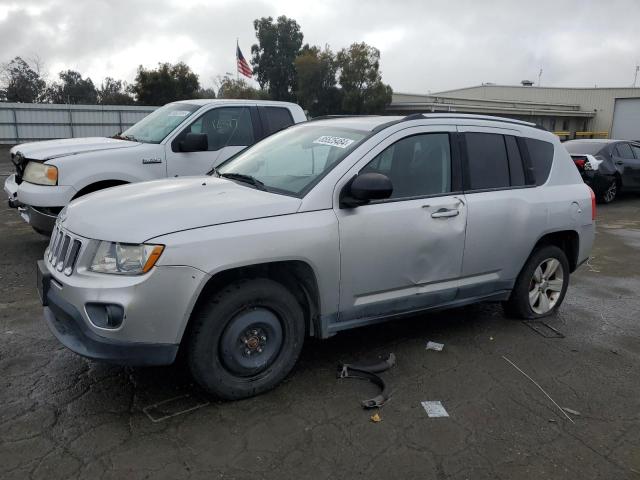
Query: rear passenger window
x=516 y=170
x=488 y=162
x=541 y=158
x=276 y=119
x=624 y=150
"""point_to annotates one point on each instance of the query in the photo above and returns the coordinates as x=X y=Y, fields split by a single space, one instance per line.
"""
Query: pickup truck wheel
x=246 y=338
x=541 y=285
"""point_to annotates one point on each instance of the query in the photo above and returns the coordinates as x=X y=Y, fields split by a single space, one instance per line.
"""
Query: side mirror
x=195 y=142
x=366 y=187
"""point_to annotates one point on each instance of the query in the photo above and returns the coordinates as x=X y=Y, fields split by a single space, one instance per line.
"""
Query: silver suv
x=325 y=226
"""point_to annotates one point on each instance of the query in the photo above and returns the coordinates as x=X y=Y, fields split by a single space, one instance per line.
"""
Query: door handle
x=445 y=213
x=619 y=162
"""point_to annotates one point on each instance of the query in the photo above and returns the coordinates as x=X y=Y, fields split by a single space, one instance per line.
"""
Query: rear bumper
x=67 y=325
x=599 y=182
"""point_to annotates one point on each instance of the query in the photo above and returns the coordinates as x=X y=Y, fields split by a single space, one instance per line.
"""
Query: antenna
x=539 y=76
x=635 y=77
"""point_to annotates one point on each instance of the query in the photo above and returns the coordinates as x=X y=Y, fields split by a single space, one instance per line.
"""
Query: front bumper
x=38 y=219
x=11 y=189
x=156 y=307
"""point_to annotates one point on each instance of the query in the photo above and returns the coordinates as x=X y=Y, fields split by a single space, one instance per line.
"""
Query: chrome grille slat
x=64 y=250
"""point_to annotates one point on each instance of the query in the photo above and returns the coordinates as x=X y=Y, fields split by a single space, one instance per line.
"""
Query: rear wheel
x=246 y=338
x=611 y=192
x=541 y=285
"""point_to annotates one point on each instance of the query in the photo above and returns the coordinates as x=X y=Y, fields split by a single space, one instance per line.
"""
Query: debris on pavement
x=375 y=418
x=571 y=411
x=368 y=371
x=543 y=329
x=435 y=346
x=541 y=389
x=434 y=408
x=173 y=407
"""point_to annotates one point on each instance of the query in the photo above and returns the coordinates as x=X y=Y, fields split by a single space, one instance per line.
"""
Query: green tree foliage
x=206 y=93
x=20 y=82
x=273 y=56
x=73 y=89
x=231 y=88
x=114 y=92
x=359 y=74
x=316 y=81
x=165 y=84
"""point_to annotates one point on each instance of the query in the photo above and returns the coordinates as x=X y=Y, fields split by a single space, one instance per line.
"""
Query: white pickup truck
x=183 y=138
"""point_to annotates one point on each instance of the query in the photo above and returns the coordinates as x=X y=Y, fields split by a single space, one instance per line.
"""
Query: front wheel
x=541 y=285
x=246 y=338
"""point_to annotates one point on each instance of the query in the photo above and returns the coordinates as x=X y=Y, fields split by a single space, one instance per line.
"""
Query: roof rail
x=471 y=116
x=328 y=117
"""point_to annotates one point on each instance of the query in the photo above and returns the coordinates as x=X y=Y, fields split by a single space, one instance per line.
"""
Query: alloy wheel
x=546 y=285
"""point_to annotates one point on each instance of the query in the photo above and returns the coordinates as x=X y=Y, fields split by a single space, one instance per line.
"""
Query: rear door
x=229 y=130
x=404 y=253
x=625 y=163
x=502 y=213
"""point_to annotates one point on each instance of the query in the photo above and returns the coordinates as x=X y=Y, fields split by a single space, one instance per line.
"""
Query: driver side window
x=417 y=166
x=225 y=127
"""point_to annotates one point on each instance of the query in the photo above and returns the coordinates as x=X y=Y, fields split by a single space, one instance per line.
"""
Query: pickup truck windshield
x=292 y=161
x=157 y=125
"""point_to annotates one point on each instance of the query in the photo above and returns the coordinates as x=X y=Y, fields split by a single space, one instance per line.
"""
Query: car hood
x=50 y=149
x=140 y=211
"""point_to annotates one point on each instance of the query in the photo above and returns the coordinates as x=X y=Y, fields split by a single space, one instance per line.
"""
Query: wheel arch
x=99 y=185
x=296 y=275
x=567 y=240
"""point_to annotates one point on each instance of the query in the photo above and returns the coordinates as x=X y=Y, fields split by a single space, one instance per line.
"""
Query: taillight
x=593 y=204
x=580 y=162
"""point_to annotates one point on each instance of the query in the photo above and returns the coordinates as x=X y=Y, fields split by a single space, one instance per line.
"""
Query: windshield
x=294 y=160
x=584 y=147
x=157 y=125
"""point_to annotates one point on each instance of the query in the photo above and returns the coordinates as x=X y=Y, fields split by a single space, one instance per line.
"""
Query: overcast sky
x=425 y=45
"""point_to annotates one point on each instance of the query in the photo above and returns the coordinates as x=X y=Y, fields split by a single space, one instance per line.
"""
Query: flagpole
x=237 y=69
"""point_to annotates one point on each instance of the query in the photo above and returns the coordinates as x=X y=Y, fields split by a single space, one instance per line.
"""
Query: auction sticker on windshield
x=334 y=141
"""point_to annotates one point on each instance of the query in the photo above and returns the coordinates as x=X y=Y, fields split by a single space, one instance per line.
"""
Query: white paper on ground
x=435 y=346
x=434 y=408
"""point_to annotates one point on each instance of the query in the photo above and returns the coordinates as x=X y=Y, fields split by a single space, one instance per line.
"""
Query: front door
x=404 y=253
x=229 y=130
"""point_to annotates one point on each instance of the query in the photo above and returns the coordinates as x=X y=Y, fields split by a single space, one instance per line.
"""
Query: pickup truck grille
x=63 y=251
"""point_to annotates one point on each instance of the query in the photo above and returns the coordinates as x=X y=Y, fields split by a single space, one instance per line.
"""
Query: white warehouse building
x=568 y=112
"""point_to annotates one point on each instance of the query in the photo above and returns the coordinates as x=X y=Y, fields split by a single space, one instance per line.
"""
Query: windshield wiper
x=241 y=177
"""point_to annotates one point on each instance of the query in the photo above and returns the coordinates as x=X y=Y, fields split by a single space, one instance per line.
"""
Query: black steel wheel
x=246 y=338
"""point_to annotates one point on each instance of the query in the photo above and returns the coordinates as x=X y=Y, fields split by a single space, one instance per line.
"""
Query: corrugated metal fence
x=26 y=122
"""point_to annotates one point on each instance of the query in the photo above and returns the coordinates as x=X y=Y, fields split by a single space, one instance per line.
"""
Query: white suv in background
x=182 y=138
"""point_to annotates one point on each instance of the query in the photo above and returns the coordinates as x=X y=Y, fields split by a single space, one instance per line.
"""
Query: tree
x=206 y=93
x=231 y=88
x=167 y=83
x=114 y=92
x=73 y=89
x=21 y=83
x=316 y=81
x=360 y=79
x=273 y=56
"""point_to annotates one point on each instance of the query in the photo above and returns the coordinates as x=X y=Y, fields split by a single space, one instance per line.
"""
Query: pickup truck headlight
x=125 y=258
x=40 y=174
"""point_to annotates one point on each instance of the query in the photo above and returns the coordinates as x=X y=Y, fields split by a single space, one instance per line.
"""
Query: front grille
x=63 y=251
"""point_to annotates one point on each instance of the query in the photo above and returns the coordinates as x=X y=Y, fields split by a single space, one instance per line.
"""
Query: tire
x=554 y=287
x=246 y=338
x=610 y=193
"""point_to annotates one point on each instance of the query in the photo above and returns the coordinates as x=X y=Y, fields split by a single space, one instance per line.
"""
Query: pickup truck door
x=404 y=253
x=229 y=130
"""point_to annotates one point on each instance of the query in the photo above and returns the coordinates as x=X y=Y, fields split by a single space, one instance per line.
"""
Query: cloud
x=425 y=45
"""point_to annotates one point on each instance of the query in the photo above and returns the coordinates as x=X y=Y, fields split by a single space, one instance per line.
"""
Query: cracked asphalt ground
x=62 y=416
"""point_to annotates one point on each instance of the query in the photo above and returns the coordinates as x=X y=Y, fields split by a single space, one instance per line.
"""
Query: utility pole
x=539 y=76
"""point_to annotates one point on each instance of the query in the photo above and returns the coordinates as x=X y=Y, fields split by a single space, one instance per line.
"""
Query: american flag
x=243 y=66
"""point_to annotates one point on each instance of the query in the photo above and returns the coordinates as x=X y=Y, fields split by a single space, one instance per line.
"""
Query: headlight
x=125 y=258
x=40 y=174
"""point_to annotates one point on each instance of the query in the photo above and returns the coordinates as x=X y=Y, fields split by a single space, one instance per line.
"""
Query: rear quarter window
x=540 y=158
